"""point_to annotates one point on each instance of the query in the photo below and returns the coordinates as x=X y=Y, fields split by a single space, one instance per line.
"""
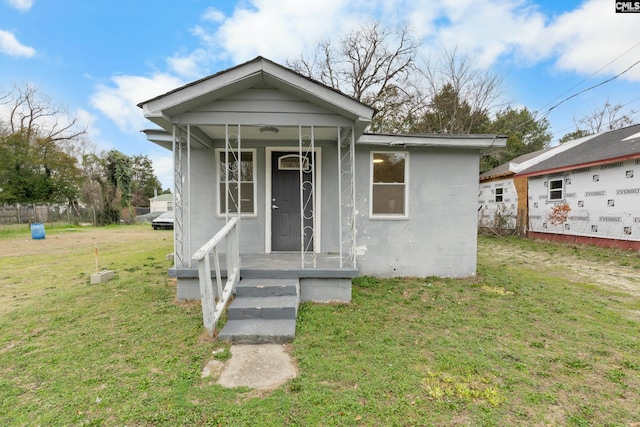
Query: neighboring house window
x=555 y=189
x=241 y=172
x=389 y=177
x=499 y=194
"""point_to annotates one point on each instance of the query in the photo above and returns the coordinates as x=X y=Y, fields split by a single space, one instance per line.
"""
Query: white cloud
x=88 y=120
x=190 y=66
x=119 y=100
x=163 y=166
x=591 y=36
x=581 y=40
x=520 y=31
x=10 y=45
x=279 y=30
x=213 y=15
x=22 y=5
x=487 y=29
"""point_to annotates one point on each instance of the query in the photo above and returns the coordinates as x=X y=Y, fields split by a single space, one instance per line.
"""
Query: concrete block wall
x=439 y=236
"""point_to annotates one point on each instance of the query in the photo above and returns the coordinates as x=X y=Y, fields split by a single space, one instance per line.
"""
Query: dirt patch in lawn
x=608 y=275
x=31 y=268
x=72 y=237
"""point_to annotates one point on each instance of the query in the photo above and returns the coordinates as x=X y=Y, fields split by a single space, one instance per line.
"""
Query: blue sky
x=99 y=59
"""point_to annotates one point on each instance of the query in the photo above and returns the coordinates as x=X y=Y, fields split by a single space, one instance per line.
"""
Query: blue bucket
x=37 y=231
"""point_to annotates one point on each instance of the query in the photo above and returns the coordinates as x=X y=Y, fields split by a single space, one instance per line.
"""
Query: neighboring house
x=503 y=195
x=598 y=179
x=500 y=209
x=161 y=203
x=290 y=157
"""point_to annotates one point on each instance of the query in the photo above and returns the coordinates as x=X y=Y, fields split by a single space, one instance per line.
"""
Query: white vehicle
x=164 y=221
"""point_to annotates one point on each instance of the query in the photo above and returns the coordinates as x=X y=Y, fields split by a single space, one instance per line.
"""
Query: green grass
x=516 y=345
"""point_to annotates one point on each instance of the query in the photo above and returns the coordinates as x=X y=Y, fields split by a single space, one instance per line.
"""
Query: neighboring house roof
x=607 y=147
x=162 y=198
x=505 y=168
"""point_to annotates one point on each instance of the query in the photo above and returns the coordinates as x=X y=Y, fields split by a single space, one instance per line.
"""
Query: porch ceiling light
x=269 y=130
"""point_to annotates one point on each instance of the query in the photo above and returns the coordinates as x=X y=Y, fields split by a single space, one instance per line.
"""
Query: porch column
x=307 y=198
x=233 y=155
x=347 y=196
x=181 y=182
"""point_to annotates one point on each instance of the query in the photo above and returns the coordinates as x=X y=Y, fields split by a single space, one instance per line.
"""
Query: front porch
x=264 y=161
x=265 y=292
x=326 y=282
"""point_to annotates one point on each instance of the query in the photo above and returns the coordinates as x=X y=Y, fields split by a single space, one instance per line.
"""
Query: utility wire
x=592 y=74
x=562 y=131
x=592 y=87
x=548 y=111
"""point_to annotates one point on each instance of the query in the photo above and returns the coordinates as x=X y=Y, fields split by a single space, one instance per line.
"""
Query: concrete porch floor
x=327 y=282
x=280 y=266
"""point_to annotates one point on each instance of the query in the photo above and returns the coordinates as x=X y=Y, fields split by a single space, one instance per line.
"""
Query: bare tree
x=460 y=91
x=34 y=115
x=377 y=65
x=373 y=65
x=607 y=117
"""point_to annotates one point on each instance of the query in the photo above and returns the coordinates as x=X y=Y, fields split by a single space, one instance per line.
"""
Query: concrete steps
x=264 y=311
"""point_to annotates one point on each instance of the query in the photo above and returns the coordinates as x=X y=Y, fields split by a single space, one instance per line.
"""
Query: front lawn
x=524 y=343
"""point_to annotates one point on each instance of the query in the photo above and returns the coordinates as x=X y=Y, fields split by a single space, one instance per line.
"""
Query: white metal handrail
x=212 y=310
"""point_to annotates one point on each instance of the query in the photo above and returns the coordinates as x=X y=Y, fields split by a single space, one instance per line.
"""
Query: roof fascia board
x=160 y=137
x=165 y=138
x=507 y=174
x=204 y=86
x=284 y=79
x=458 y=141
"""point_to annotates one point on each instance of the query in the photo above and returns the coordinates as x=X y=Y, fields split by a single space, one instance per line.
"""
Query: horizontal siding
x=260 y=101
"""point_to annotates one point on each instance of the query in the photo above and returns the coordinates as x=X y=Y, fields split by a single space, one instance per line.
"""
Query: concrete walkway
x=260 y=366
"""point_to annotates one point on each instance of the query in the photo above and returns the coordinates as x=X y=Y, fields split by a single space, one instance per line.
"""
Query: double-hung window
x=499 y=194
x=556 y=187
x=239 y=169
x=389 y=179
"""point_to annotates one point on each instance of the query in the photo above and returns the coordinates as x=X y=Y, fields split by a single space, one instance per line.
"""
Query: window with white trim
x=389 y=178
x=499 y=194
x=556 y=187
x=241 y=172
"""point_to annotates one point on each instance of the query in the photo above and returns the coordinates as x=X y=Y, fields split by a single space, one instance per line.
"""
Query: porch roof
x=181 y=105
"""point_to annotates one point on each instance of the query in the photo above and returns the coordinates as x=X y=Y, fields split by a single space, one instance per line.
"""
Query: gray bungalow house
x=280 y=168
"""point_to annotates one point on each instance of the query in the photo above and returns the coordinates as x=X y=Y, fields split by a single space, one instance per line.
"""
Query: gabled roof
x=259 y=72
x=607 y=147
x=518 y=164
